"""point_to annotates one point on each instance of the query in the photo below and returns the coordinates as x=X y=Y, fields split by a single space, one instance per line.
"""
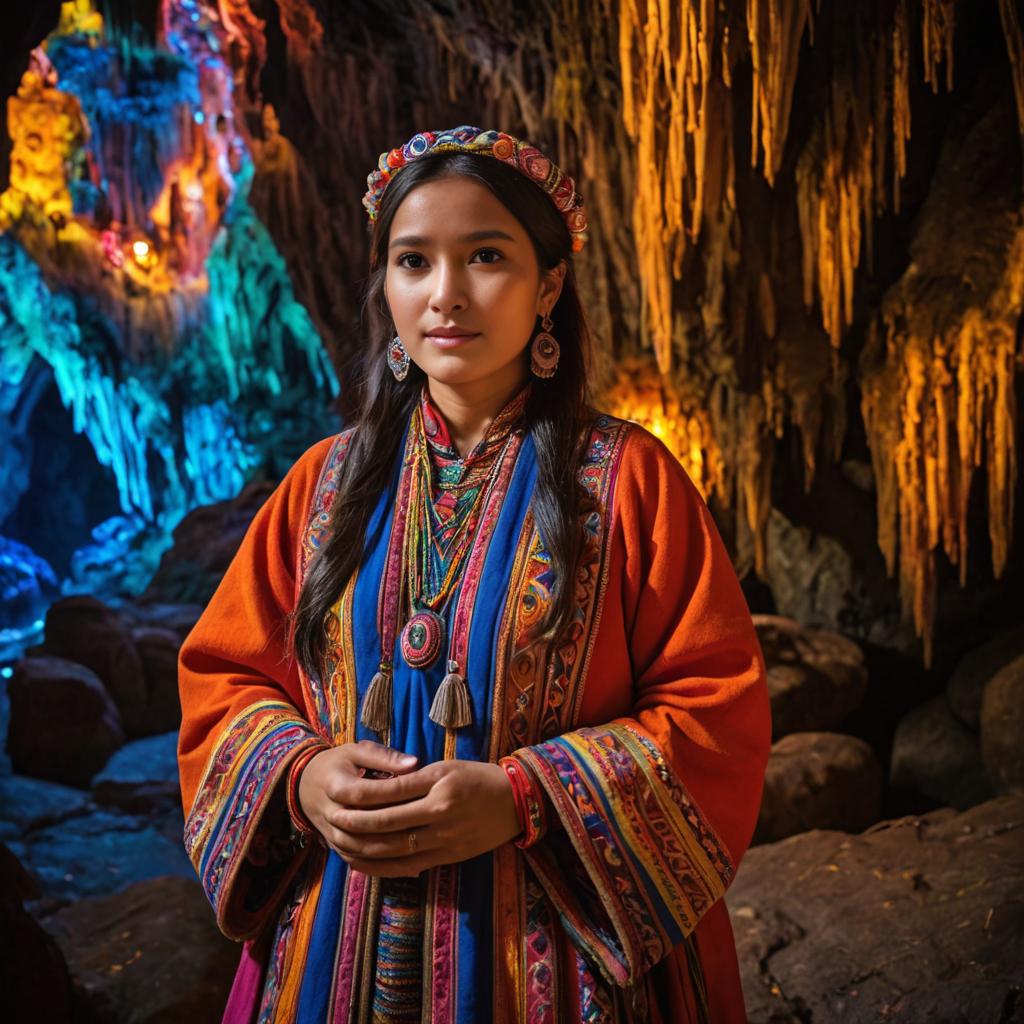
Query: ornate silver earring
x=544 y=352
x=398 y=358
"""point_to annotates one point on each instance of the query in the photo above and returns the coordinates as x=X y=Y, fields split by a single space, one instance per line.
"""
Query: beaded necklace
x=436 y=545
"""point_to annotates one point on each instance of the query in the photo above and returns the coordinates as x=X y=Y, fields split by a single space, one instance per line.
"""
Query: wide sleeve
x=641 y=822
x=242 y=723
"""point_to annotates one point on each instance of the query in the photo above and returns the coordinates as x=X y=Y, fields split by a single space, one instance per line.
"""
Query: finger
x=385 y=792
x=382 y=820
x=368 y=754
x=392 y=846
x=398 y=867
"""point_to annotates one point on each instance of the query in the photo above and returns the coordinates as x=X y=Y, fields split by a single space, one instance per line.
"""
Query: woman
x=475 y=726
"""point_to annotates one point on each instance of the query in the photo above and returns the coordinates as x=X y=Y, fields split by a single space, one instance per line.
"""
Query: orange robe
x=643 y=741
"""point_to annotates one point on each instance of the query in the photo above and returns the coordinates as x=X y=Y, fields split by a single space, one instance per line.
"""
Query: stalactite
x=901 y=114
x=694 y=282
x=1010 y=19
x=840 y=173
x=675 y=64
x=938 y=22
x=832 y=195
x=937 y=374
x=132 y=265
x=665 y=60
x=775 y=29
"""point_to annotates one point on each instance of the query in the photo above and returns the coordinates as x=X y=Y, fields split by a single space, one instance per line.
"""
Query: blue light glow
x=183 y=390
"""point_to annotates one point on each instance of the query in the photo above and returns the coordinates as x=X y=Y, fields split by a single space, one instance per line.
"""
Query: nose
x=448 y=289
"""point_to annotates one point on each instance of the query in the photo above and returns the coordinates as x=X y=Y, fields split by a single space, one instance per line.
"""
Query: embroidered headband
x=525 y=158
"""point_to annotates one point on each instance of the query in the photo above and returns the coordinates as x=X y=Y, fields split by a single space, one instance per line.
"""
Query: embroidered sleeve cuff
x=237 y=832
x=529 y=801
x=633 y=864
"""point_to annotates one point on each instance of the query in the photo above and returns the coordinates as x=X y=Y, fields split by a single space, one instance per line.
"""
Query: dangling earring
x=544 y=352
x=398 y=358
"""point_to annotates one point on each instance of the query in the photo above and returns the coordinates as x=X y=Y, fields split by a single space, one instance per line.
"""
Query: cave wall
x=804 y=270
x=804 y=266
x=138 y=282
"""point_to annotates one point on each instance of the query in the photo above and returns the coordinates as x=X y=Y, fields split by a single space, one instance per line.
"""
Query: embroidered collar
x=440 y=444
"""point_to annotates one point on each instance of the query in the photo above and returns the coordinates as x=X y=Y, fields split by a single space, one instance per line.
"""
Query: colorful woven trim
x=529 y=801
x=226 y=837
x=526 y=159
x=632 y=864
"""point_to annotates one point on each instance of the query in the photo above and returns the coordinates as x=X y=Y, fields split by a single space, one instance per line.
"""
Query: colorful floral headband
x=521 y=155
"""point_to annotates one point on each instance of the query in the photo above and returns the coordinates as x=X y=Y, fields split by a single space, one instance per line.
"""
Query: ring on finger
x=413 y=841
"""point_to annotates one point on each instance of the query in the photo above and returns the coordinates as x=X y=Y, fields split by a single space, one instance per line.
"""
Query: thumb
x=369 y=754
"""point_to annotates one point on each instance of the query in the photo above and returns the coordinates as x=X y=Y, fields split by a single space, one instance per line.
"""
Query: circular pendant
x=422 y=639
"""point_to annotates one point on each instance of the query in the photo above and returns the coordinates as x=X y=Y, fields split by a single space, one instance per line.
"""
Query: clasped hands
x=457 y=809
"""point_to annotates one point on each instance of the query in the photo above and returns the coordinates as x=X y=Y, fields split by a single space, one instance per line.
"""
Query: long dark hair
x=557 y=413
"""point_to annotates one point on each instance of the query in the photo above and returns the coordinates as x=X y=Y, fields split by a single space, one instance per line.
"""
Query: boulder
x=1002 y=727
x=815 y=677
x=813 y=578
x=205 y=541
x=63 y=723
x=177 y=618
x=141 y=777
x=935 y=756
x=101 y=852
x=151 y=953
x=34 y=978
x=33 y=803
x=919 y=919
x=158 y=649
x=967 y=683
x=819 y=780
x=85 y=630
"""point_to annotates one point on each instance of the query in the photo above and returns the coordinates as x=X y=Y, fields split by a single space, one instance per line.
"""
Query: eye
x=409 y=256
x=489 y=256
x=491 y=252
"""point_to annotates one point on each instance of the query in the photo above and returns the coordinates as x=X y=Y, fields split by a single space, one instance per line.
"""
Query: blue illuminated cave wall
x=153 y=356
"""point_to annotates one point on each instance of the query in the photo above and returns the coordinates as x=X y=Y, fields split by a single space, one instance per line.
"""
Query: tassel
x=376 y=713
x=451 y=707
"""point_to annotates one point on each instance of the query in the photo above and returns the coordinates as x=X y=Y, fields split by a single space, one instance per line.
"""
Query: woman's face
x=458 y=258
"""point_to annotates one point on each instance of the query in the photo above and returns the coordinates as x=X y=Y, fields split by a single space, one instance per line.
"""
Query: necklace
x=436 y=550
x=430 y=565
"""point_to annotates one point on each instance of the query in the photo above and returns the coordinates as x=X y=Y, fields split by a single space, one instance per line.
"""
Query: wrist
x=301 y=825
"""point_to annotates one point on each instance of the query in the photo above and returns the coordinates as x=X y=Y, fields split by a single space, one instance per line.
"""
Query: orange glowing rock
x=639 y=393
x=46 y=127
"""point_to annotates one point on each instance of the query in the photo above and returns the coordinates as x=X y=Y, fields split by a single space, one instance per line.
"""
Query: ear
x=550 y=288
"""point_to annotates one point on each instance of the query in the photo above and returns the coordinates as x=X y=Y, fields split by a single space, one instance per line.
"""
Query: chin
x=456 y=369
x=455 y=375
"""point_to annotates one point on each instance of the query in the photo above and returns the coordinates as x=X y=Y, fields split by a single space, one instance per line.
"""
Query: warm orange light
x=140 y=250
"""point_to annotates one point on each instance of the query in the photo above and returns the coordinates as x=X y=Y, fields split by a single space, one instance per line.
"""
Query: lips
x=452 y=331
x=448 y=337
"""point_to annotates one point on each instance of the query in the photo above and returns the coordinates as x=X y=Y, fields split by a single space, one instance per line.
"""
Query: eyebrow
x=473 y=236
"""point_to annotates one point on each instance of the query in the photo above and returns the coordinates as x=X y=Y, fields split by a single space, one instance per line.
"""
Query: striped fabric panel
x=284 y=1006
x=242 y=861
x=635 y=865
x=399 y=966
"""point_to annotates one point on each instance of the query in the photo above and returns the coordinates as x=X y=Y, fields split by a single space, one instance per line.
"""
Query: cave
x=803 y=275
x=64 y=472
